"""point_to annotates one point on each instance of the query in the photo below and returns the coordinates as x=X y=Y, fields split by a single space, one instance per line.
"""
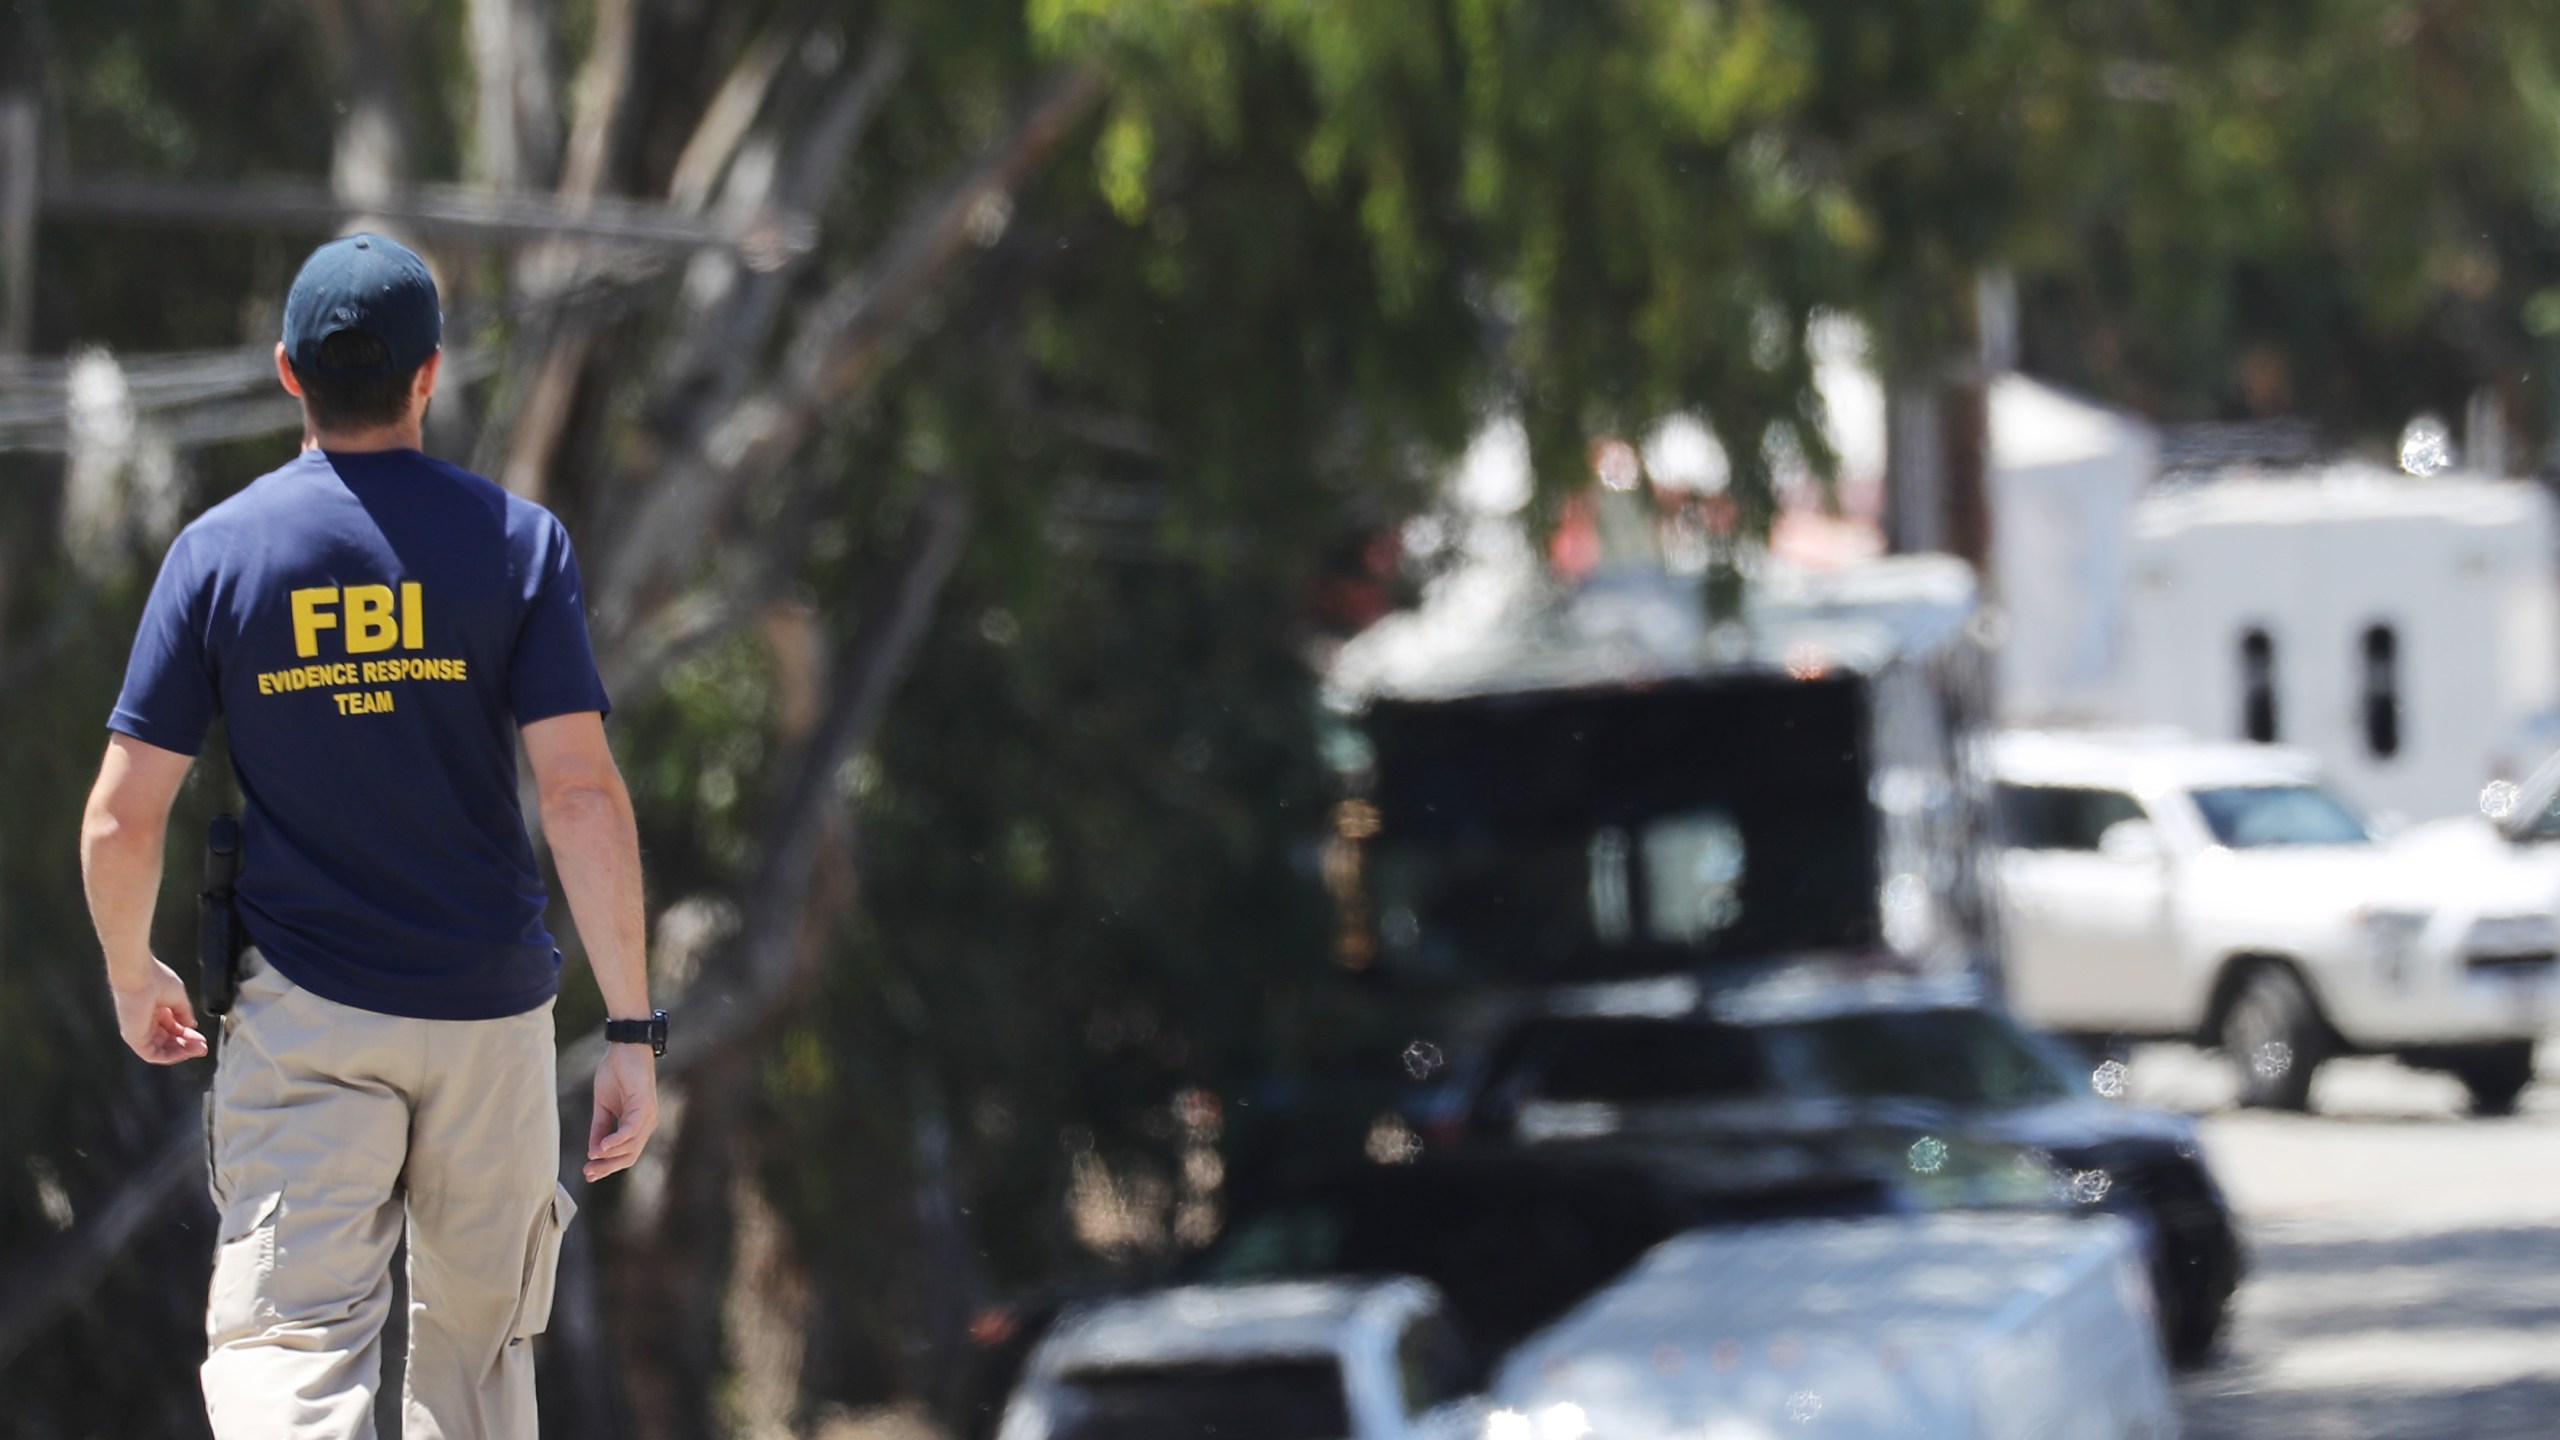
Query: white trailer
x=1975 y=1325
x=2401 y=629
x=2066 y=477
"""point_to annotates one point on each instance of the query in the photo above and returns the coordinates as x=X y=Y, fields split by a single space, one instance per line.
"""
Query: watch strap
x=651 y=1032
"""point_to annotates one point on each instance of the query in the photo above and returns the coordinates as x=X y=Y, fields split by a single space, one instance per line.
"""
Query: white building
x=2403 y=629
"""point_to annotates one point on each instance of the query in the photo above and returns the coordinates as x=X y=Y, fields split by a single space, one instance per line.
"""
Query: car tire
x=2196 y=1262
x=2274 y=1038
x=2495 y=1075
x=2190 y=1330
x=2097 y=1047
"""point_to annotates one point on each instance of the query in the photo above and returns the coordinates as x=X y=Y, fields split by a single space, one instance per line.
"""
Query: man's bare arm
x=595 y=845
x=123 y=841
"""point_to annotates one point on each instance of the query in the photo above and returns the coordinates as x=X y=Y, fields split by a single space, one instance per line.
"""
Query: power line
x=765 y=239
x=185 y=398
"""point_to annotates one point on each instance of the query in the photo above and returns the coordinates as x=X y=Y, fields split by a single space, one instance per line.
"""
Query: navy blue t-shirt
x=374 y=626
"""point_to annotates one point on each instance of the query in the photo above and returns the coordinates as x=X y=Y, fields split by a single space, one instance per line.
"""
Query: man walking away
x=377 y=628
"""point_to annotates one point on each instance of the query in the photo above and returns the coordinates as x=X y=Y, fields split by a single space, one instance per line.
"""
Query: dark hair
x=369 y=398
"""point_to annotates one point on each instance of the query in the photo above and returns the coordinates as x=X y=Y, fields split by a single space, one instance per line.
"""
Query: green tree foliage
x=2339 y=208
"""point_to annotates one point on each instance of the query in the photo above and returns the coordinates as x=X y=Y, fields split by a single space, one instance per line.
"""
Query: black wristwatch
x=651 y=1032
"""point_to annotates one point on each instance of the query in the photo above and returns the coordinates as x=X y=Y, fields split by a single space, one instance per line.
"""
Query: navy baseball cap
x=363 y=282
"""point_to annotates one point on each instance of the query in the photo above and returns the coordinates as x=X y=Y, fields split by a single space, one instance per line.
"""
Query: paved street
x=2406 y=1260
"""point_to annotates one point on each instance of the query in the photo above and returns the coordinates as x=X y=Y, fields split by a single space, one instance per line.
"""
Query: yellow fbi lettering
x=369 y=619
x=374 y=618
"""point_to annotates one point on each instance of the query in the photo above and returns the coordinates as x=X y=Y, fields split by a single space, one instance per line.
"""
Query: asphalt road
x=2405 y=1259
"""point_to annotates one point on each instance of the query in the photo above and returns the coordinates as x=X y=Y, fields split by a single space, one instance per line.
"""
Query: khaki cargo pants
x=327 y=1123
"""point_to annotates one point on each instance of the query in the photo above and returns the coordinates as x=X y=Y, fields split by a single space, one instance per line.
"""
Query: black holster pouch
x=218 y=937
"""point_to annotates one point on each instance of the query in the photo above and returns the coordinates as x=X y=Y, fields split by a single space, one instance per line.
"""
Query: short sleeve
x=169 y=698
x=553 y=670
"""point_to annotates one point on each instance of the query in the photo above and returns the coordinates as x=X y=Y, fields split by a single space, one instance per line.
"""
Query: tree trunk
x=674 y=1271
x=19 y=155
x=1964 y=437
x=370 y=158
x=1937 y=369
x=523 y=435
x=516 y=109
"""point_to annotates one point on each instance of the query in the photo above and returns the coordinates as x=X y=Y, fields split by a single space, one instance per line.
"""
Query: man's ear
x=284 y=373
x=423 y=389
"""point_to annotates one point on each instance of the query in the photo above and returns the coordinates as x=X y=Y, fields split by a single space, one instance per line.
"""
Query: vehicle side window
x=1249 y=1399
x=2061 y=817
x=1963 y=1057
x=1432 y=1361
x=2381 y=647
x=1637 y=1062
x=2260 y=712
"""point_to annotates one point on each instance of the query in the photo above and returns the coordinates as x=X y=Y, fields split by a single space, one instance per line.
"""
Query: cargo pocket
x=212 y=1155
x=242 y=1298
x=542 y=1264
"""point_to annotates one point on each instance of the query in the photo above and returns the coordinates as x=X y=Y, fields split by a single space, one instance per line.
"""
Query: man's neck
x=410 y=436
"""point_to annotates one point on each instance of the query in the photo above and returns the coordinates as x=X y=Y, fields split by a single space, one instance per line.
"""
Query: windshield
x=1958 y=1056
x=1511 y=1248
x=1294 y=1399
x=2251 y=817
x=2543 y=824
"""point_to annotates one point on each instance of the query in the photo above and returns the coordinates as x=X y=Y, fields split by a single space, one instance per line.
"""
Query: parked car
x=1951 y=1324
x=2155 y=885
x=1921 y=1079
x=1301 y=1360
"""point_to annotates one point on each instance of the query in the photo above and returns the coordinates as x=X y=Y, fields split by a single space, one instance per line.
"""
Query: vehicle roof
x=1815 y=993
x=1877 y=1323
x=1196 y=1323
x=1515 y=1180
x=1867 y=1279
x=1646 y=627
x=2156 y=759
x=2346 y=494
x=1802 y=989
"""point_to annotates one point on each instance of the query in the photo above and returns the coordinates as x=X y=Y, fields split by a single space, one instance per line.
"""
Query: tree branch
x=833 y=358
x=714 y=356
x=516 y=111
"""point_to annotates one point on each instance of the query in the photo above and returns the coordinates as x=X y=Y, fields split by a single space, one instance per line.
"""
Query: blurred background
x=1051 y=475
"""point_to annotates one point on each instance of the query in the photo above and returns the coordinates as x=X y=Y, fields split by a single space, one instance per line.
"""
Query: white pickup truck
x=2156 y=885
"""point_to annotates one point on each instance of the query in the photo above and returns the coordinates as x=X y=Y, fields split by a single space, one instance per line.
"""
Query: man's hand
x=156 y=1019
x=626 y=1110
x=121 y=836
